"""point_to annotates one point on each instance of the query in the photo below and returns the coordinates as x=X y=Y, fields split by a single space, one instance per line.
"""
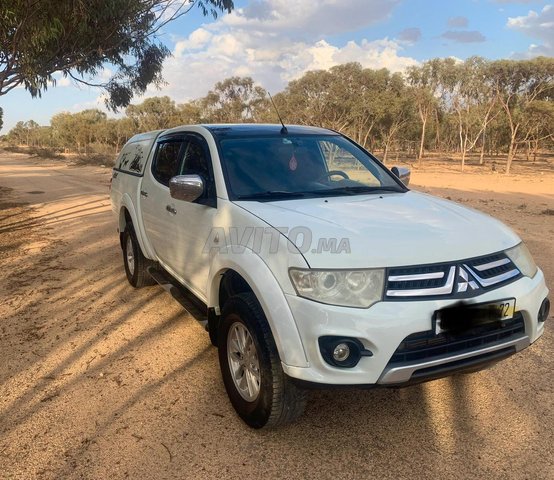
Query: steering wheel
x=330 y=173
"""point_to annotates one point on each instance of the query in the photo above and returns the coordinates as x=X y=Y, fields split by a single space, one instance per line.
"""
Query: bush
x=97 y=159
x=15 y=149
x=41 y=152
x=99 y=148
x=49 y=153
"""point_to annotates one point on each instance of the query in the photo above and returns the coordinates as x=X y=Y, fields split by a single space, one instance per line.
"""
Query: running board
x=190 y=303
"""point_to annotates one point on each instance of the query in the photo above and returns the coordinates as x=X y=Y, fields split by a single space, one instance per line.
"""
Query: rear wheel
x=134 y=261
x=259 y=390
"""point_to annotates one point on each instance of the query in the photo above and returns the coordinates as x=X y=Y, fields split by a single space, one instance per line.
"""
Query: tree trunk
x=464 y=148
x=511 y=154
x=482 y=156
x=437 y=133
x=423 y=125
x=385 y=152
x=461 y=135
x=535 y=149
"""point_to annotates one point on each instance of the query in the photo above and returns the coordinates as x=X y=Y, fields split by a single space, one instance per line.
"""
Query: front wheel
x=260 y=392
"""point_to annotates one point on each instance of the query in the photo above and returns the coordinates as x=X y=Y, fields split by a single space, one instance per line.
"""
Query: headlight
x=523 y=260
x=347 y=288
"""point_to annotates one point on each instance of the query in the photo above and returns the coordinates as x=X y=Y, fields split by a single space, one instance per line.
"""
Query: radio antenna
x=284 y=130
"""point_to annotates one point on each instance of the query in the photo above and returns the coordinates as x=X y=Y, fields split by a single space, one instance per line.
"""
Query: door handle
x=171 y=209
x=144 y=194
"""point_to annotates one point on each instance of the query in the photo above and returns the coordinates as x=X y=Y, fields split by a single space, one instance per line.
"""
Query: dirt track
x=98 y=380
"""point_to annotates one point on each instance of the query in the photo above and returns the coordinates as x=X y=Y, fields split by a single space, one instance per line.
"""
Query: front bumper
x=386 y=324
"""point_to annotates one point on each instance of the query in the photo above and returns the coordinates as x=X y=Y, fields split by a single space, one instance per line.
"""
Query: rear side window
x=167 y=162
x=132 y=158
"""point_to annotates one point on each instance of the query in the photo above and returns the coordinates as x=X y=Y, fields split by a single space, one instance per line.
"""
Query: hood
x=393 y=229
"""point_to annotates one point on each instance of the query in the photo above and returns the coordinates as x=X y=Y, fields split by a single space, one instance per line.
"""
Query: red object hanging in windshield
x=293 y=163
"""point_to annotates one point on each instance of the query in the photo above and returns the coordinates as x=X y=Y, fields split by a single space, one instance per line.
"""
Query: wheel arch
x=128 y=214
x=251 y=272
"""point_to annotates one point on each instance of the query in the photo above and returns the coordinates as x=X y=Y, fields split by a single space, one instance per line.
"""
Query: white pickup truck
x=312 y=265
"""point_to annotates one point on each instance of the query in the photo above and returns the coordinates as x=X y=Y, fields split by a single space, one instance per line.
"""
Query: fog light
x=544 y=310
x=341 y=352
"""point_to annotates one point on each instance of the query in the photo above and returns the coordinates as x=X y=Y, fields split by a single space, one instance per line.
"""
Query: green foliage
x=82 y=39
x=154 y=113
x=235 y=99
x=472 y=106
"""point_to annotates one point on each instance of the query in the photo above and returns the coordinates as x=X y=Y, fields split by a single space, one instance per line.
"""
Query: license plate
x=460 y=318
x=505 y=308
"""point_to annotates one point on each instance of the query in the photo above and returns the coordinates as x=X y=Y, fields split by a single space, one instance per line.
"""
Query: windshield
x=294 y=166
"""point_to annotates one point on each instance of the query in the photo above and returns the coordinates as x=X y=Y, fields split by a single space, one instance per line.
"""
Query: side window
x=339 y=159
x=167 y=161
x=195 y=160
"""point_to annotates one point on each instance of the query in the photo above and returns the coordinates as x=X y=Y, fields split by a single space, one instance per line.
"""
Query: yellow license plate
x=504 y=308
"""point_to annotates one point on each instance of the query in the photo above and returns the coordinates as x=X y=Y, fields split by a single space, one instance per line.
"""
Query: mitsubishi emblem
x=465 y=281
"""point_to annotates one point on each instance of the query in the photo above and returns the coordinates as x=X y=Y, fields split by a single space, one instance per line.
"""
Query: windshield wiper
x=355 y=190
x=271 y=194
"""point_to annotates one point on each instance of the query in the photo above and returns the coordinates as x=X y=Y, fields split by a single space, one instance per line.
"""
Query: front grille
x=417 y=277
x=460 y=279
x=492 y=265
x=427 y=345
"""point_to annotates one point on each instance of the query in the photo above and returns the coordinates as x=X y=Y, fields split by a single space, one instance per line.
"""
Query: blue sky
x=275 y=41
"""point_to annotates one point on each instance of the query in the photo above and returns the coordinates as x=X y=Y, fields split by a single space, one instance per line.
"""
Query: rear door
x=155 y=201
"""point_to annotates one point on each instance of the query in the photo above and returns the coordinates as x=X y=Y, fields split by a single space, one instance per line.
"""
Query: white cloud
x=59 y=81
x=537 y=25
x=306 y=18
x=98 y=103
x=196 y=40
x=63 y=82
x=275 y=41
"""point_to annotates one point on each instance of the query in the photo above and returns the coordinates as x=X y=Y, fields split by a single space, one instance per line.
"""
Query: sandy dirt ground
x=98 y=380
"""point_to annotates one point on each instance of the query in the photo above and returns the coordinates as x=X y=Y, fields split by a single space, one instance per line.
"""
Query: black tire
x=279 y=401
x=137 y=276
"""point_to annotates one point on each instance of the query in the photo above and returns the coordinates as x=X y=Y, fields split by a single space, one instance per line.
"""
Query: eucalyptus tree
x=154 y=113
x=86 y=127
x=80 y=39
x=537 y=125
x=423 y=80
x=24 y=133
x=371 y=105
x=308 y=100
x=235 y=99
x=519 y=83
x=18 y=134
x=473 y=101
x=63 y=130
x=122 y=130
x=31 y=130
x=396 y=113
x=190 y=112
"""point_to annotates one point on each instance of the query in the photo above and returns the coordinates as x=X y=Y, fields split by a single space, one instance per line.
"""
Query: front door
x=178 y=229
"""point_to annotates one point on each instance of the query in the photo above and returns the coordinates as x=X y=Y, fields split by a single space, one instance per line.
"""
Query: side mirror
x=402 y=173
x=186 y=187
